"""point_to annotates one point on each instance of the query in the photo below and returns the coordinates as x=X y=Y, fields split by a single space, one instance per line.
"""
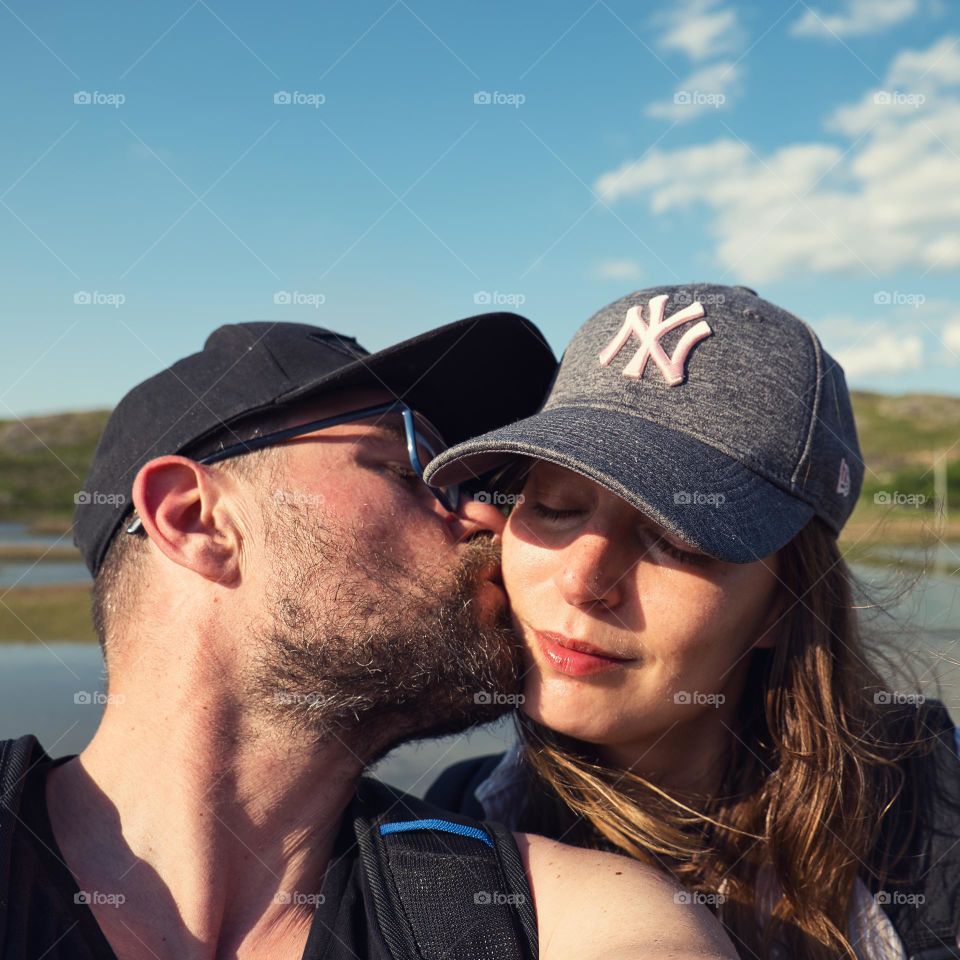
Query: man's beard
x=366 y=650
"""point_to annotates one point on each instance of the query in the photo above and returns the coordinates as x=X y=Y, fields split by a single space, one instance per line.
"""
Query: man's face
x=382 y=618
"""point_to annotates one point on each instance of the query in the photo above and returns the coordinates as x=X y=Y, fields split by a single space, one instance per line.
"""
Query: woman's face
x=630 y=635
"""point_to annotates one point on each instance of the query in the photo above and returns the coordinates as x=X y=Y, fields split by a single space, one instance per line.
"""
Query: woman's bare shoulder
x=595 y=904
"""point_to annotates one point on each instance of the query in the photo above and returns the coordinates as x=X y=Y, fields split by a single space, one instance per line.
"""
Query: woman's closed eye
x=554 y=513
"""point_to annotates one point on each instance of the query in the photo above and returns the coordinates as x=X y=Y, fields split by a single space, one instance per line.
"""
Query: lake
x=52 y=689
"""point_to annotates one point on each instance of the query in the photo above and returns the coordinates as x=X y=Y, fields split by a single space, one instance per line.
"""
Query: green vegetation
x=47 y=613
x=44 y=461
x=43 y=464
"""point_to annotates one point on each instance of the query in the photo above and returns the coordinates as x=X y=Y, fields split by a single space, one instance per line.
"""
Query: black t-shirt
x=47 y=916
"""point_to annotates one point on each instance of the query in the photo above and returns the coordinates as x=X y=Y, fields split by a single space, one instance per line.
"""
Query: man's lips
x=577 y=657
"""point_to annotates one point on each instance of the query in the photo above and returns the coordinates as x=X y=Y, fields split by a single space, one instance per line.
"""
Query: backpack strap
x=444 y=887
x=16 y=759
x=926 y=909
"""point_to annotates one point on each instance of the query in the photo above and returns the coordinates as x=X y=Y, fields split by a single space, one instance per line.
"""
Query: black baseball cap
x=466 y=377
x=713 y=411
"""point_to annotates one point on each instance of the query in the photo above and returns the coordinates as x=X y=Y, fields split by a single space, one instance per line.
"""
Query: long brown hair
x=812 y=777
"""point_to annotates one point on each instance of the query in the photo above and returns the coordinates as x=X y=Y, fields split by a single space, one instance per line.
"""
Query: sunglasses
x=423 y=443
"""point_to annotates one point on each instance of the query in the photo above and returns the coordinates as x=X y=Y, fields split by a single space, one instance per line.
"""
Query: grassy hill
x=43 y=463
x=43 y=460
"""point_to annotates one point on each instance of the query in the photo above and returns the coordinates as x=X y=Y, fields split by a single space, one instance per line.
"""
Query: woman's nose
x=591 y=573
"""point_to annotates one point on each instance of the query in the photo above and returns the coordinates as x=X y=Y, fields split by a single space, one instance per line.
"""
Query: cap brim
x=703 y=496
x=467 y=377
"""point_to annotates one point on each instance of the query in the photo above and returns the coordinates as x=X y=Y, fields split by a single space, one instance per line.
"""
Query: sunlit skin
x=579 y=562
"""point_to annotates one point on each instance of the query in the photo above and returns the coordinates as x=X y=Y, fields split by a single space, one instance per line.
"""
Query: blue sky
x=811 y=152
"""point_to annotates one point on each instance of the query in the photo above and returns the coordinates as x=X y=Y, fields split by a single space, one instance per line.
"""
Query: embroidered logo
x=649 y=335
x=843 y=481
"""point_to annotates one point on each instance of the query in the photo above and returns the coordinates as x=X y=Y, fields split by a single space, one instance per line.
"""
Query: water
x=53 y=690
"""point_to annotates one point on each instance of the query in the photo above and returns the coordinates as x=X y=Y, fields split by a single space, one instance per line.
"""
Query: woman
x=697 y=693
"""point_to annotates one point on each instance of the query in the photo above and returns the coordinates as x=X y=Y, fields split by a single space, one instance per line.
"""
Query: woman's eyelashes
x=553 y=513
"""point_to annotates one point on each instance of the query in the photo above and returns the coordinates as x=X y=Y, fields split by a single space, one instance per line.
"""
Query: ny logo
x=649 y=336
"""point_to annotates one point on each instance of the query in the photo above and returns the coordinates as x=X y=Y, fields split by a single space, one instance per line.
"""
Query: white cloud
x=858 y=17
x=618 y=270
x=951 y=339
x=883 y=352
x=702 y=29
x=711 y=88
x=889 y=199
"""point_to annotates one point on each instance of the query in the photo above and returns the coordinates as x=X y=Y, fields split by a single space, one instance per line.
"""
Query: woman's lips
x=577 y=658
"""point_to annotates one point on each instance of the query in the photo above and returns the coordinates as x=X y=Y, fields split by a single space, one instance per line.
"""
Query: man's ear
x=180 y=504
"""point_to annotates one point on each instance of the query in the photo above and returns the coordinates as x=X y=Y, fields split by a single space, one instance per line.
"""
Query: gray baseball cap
x=716 y=413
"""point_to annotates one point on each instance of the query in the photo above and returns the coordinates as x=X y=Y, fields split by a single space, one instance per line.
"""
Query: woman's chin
x=560 y=715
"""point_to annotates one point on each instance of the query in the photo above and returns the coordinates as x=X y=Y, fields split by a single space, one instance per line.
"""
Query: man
x=286 y=601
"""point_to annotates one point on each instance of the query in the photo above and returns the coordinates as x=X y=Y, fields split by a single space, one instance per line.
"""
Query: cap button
x=746 y=290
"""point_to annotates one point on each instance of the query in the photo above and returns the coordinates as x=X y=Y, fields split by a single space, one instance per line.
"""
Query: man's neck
x=214 y=831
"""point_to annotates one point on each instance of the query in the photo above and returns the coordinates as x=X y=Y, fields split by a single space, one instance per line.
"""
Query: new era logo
x=843 y=481
x=649 y=334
